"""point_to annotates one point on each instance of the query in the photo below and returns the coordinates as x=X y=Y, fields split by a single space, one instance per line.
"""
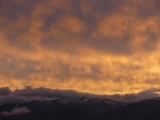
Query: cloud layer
x=30 y=94
x=15 y=111
x=102 y=47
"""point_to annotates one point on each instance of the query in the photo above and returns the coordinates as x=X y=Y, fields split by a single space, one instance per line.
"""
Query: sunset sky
x=96 y=46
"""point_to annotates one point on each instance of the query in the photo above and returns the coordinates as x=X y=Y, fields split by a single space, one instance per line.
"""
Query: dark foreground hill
x=83 y=109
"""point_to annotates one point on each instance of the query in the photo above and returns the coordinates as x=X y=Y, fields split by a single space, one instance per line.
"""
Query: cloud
x=30 y=94
x=5 y=91
x=62 y=22
x=17 y=99
x=16 y=111
x=129 y=98
x=48 y=93
x=86 y=45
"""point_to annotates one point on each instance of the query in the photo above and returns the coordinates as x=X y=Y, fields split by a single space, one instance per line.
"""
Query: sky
x=95 y=46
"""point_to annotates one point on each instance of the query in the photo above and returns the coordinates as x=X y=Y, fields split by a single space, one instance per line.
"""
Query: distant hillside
x=83 y=109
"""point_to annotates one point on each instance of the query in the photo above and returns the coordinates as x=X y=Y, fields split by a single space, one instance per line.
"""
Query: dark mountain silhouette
x=84 y=109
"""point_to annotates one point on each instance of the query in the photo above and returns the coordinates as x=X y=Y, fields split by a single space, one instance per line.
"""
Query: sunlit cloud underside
x=96 y=46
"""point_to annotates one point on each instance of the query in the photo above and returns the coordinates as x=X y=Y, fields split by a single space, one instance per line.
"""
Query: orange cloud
x=89 y=46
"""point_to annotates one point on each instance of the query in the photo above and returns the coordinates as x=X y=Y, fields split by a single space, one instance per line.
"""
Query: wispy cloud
x=16 y=111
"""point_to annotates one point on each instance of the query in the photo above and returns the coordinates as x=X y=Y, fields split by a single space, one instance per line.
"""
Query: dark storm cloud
x=30 y=94
x=48 y=93
x=16 y=99
x=148 y=94
x=5 y=91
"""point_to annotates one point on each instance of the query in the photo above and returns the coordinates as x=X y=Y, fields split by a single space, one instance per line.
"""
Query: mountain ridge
x=84 y=108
